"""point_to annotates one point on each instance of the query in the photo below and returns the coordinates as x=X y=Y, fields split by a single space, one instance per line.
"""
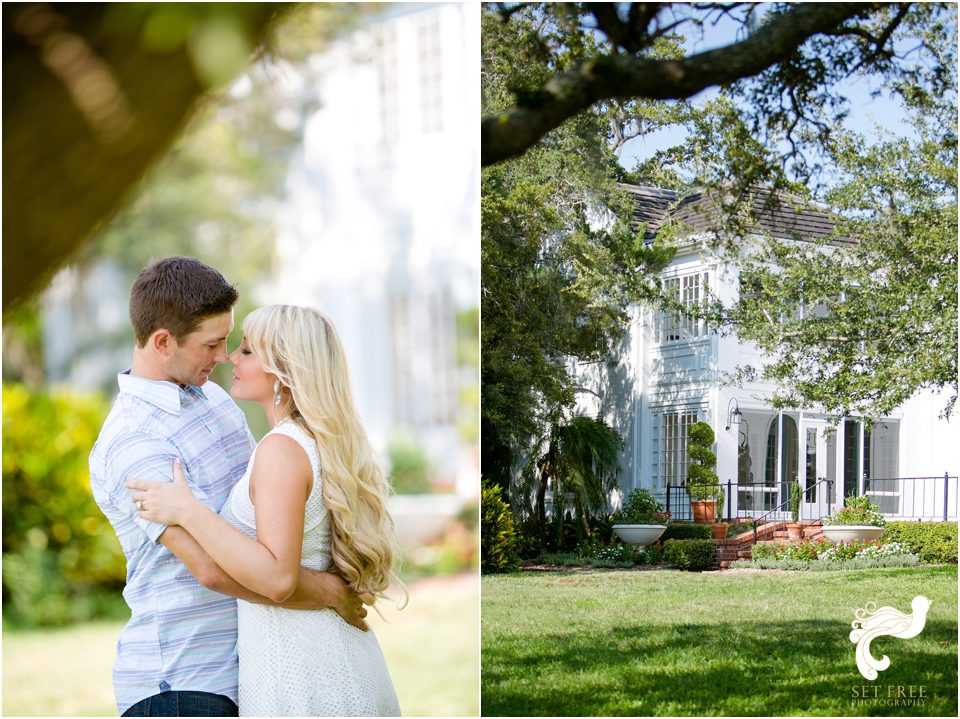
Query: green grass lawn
x=431 y=648
x=613 y=643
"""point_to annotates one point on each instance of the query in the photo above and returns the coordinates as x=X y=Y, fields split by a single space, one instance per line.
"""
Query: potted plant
x=795 y=529
x=641 y=520
x=703 y=485
x=720 y=527
x=859 y=519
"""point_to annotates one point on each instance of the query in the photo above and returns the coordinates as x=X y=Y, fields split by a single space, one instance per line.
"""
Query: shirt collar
x=163 y=394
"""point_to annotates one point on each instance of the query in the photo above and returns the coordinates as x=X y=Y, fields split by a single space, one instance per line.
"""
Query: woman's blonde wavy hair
x=302 y=348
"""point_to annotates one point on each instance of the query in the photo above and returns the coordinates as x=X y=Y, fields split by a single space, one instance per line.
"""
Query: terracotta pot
x=704 y=511
x=720 y=531
x=794 y=531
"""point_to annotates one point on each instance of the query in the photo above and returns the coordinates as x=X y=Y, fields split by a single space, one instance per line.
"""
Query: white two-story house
x=671 y=371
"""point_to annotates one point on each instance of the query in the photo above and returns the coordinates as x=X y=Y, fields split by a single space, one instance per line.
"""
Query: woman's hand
x=162 y=502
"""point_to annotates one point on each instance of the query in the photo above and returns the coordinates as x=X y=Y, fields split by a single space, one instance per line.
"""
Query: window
x=851 y=458
x=880 y=455
x=431 y=77
x=424 y=361
x=388 y=81
x=670 y=447
x=687 y=291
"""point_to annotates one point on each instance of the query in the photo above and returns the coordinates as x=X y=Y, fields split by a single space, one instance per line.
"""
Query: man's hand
x=317 y=590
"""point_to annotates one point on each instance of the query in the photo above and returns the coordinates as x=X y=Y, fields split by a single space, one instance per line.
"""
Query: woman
x=313 y=496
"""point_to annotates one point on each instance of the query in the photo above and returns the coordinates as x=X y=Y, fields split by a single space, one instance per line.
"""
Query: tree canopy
x=568 y=85
x=788 y=61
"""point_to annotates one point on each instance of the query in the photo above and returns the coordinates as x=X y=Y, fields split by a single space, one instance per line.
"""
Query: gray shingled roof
x=780 y=215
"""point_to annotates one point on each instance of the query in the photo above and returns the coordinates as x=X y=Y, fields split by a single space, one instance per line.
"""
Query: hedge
x=687 y=531
x=692 y=555
x=933 y=542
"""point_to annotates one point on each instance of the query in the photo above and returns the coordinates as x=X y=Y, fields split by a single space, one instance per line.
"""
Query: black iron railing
x=914 y=498
x=806 y=511
x=676 y=500
x=906 y=498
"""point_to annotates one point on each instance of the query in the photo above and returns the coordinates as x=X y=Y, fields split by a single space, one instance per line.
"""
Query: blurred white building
x=381 y=228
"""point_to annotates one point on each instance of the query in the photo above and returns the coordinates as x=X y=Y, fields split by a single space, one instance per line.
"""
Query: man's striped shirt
x=181 y=636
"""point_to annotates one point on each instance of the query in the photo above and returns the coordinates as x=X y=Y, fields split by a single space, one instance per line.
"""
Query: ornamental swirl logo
x=871 y=623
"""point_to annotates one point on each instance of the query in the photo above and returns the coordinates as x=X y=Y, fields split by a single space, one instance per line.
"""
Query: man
x=177 y=654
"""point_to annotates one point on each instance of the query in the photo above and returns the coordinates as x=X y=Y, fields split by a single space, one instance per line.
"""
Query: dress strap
x=304 y=439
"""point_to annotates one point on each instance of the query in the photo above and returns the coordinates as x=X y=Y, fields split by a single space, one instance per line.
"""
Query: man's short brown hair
x=177 y=294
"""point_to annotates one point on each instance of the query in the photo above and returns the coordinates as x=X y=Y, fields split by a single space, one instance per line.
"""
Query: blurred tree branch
x=93 y=95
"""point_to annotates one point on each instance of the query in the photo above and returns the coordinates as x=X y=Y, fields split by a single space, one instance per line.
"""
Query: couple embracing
x=295 y=528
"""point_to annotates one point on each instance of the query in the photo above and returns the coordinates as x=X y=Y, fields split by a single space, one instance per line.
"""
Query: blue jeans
x=183 y=704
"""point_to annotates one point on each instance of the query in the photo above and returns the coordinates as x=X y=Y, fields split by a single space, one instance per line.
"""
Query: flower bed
x=795 y=565
x=606 y=557
x=853 y=555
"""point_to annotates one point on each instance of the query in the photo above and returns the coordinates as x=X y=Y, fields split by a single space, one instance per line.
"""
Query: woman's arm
x=280 y=483
x=315 y=590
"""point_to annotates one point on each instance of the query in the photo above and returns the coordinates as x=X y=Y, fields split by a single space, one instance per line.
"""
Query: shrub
x=739 y=528
x=528 y=539
x=615 y=556
x=795 y=501
x=857 y=510
x=498 y=539
x=409 y=466
x=641 y=508
x=652 y=554
x=603 y=528
x=933 y=542
x=564 y=559
x=763 y=550
x=61 y=559
x=557 y=536
x=692 y=555
x=702 y=481
x=687 y=531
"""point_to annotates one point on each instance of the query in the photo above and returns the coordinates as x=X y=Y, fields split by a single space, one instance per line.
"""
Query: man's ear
x=162 y=342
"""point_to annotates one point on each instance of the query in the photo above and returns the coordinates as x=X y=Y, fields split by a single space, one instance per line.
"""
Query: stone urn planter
x=848 y=532
x=639 y=534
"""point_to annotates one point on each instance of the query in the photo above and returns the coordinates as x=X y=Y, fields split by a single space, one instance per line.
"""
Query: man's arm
x=315 y=590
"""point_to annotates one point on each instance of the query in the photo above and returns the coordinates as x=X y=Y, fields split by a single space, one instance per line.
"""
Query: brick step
x=741 y=547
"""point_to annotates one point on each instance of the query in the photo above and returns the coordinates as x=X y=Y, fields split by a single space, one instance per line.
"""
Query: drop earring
x=276 y=393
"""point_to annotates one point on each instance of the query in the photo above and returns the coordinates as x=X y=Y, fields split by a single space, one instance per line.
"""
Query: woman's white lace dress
x=299 y=662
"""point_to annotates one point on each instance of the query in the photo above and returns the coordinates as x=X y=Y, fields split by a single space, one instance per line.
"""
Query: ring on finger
x=139 y=505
